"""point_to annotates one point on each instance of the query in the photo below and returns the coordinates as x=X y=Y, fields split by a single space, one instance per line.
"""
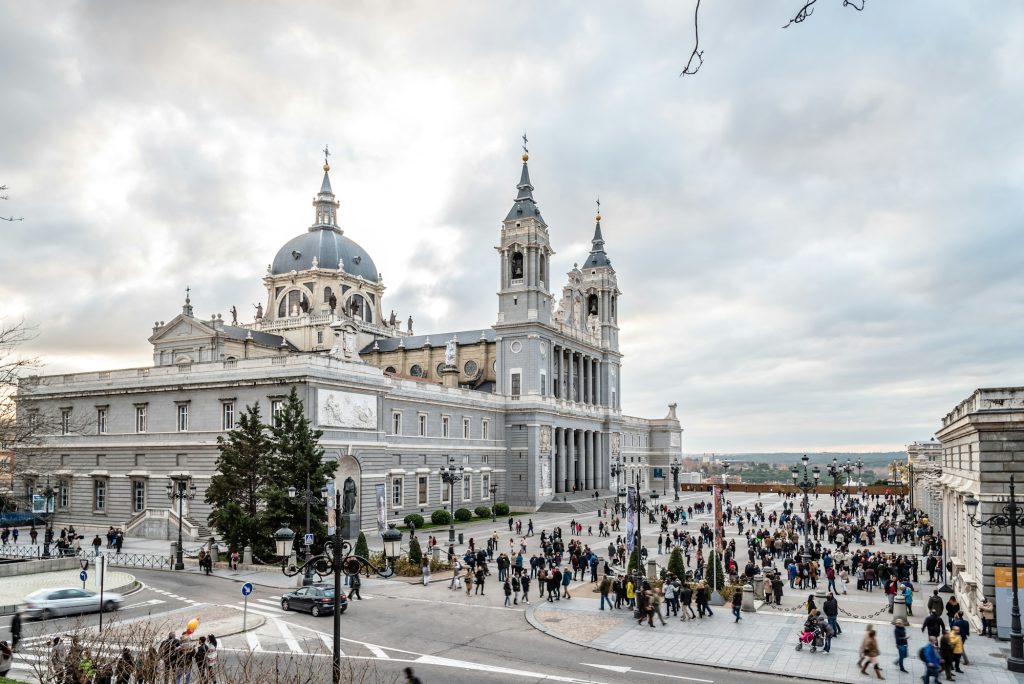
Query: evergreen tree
x=675 y=563
x=236 y=493
x=296 y=454
x=415 y=553
x=714 y=574
x=362 y=548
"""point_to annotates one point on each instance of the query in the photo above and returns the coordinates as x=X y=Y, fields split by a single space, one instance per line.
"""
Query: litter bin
x=460 y=539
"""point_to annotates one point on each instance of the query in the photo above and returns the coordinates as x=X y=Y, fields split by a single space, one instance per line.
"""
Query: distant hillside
x=872 y=458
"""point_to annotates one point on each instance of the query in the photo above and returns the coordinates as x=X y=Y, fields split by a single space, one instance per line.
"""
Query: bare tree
x=3 y=196
x=696 y=60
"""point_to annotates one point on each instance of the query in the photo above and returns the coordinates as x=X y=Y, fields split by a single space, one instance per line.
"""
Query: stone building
x=531 y=404
x=982 y=442
x=923 y=479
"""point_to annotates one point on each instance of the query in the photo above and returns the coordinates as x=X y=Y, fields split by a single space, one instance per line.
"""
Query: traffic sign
x=308 y=539
x=246 y=588
x=83 y=575
x=84 y=562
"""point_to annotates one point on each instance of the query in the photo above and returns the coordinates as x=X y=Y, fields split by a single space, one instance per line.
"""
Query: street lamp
x=805 y=485
x=179 y=489
x=629 y=507
x=1009 y=516
x=450 y=475
x=848 y=470
x=860 y=473
x=835 y=470
x=675 y=477
x=725 y=473
x=47 y=493
x=392 y=543
x=616 y=470
x=494 y=500
x=337 y=560
x=310 y=497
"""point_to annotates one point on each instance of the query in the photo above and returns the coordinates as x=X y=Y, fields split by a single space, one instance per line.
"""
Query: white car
x=47 y=603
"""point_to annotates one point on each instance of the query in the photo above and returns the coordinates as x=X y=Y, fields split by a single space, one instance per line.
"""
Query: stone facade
x=982 y=442
x=531 y=404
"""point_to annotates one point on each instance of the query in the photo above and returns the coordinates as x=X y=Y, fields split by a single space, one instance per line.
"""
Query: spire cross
x=188 y=291
x=598 y=205
x=524 y=144
x=327 y=153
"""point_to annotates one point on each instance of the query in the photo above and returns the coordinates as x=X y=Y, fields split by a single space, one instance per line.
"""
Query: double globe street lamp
x=674 y=468
x=450 y=475
x=179 y=489
x=1010 y=516
x=311 y=499
x=806 y=485
x=337 y=560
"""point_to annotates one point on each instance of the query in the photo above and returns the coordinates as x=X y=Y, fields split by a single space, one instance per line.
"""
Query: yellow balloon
x=193 y=624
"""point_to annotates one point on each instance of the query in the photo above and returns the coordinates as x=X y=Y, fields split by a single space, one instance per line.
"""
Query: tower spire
x=525 y=206
x=187 y=308
x=597 y=254
x=325 y=203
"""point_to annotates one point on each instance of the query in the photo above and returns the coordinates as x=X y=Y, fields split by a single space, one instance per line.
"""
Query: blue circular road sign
x=83 y=575
x=246 y=588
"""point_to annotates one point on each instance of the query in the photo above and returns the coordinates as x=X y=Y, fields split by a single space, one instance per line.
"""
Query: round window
x=440 y=366
x=416 y=371
x=390 y=369
x=470 y=368
x=516 y=346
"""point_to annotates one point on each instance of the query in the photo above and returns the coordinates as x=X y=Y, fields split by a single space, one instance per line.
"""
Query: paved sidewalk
x=761 y=642
x=13 y=590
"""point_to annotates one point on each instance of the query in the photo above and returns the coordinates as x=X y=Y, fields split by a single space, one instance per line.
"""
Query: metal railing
x=140 y=560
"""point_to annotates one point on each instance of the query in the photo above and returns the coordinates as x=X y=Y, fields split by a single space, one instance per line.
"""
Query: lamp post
x=848 y=470
x=637 y=507
x=835 y=470
x=179 y=489
x=1009 y=516
x=725 y=473
x=860 y=472
x=451 y=475
x=494 y=500
x=47 y=492
x=616 y=470
x=805 y=485
x=675 y=477
x=309 y=497
x=337 y=560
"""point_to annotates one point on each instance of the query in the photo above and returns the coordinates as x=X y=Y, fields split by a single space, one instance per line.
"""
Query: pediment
x=183 y=327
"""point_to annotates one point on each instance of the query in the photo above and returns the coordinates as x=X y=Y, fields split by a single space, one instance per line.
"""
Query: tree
x=362 y=548
x=238 y=491
x=296 y=454
x=676 y=566
x=714 y=575
x=415 y=553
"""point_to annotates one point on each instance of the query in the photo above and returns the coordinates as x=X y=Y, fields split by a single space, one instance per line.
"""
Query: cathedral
x=529 y=406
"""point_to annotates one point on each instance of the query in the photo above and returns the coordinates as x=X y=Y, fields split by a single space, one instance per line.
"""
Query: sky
x=817 y=237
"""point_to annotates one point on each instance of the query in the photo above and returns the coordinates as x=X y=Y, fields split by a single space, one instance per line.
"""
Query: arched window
x=542 y=263
x=292 y=304
x=516 y=266
x=327 y=295
x=416 y=371
x=592 y=306
x=357 y=307
x=440 y=367
x=390 y=369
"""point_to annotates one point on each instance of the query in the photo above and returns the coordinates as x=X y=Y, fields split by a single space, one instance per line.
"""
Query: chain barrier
x=865 y=617
x=786 y=610
x=803 y=607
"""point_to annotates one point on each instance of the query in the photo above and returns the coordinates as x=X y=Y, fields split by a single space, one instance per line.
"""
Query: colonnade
x=580 y=459
x=577 y=376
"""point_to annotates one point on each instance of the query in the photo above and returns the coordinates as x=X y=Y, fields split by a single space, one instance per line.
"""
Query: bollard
x=759 y=587
x=899 y=609
x=247 y=555
x=652 y=569
x=436 y=551
x=748 y=599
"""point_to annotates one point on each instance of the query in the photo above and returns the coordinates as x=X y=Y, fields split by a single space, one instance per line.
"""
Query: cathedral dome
x=328 y=246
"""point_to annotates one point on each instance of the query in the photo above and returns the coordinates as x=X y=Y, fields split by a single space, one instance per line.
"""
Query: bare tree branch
x=808 y=9
x=697 y=53
x=3 y=197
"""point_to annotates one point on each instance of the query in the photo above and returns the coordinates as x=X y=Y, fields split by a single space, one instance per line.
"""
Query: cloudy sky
x=818 y=237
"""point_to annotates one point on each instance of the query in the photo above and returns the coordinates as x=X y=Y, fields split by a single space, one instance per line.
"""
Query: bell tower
x=601 y=288
x=524 y=293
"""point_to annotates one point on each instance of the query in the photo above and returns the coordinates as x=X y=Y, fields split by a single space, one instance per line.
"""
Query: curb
x=255 y=622
x=530 y=618
x=125 y=590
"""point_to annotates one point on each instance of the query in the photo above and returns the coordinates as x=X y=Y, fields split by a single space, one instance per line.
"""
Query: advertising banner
x=631 y=512
x=382 y=509
x=1004 y=596
x=716 y=493
x=331 y=512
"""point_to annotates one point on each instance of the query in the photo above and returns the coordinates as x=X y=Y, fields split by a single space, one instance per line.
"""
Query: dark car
x=317 y=599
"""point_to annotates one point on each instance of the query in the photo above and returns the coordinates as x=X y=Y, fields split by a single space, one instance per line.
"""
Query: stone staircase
x=203 y=532
x=581 y=502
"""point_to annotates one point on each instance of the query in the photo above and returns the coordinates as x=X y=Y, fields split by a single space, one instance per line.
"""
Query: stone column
x=583 y=378
x=590 y=460
x=601 y=479
x=558 y=461
x=597 y=381
x=581 y=451
x=554 y=371
x=579 y=377
x=570 y=387
x=570 y=456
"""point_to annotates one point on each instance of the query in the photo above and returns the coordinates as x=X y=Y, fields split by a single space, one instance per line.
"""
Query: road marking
x=257 y=611
x=621 y=669
x=329 y=642
x=453 y=604
x=150 y=602
x=288 y=638
x=254 y=643
x=465 y=665
x=378 y=651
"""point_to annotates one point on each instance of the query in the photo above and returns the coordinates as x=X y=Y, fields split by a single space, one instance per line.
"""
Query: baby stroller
x=811 y=636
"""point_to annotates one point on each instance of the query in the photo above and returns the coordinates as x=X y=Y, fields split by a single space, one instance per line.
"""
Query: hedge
x=463 y=514
x=501 y=508
x=415 y=519
x=441 y=517
x=482 y=511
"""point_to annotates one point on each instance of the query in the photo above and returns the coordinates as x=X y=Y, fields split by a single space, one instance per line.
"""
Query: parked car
x=47 y=603
x=318 y=599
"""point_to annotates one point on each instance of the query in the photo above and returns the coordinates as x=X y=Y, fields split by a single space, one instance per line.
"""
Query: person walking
x=426 y=571
x=737 y=603
x=933 y=625
x=566 y=581
x=932 y=662
x=686 y=598
x=900 y=634
x=869 y=653
x=831 y=610
x=952 y=608
x=525 y=581
x=908 y=597
x=604 y=588
x=354 y=588
x=964 y=627
x=946 y=654
x=956 y=644
x=15 y=630
x=479 y=580
x=507 y=589
x=656 y=602
x=703 y=608
x=935 y=603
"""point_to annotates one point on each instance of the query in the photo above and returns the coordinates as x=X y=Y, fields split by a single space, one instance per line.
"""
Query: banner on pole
x=382 y=509
x=631 y=512
x=331 y=512
x=716 y=493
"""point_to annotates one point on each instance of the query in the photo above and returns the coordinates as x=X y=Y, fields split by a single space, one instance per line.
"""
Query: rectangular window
x=140 y=418
x=138 y=495
x=396 y=423
x=63 y=494
x=485 y=429
x=182 y=417
x=421 y=492
x=423 y=425
x=467 y=487
x=227 y=415
x=543 y=384
x=485 y=486
x=485 y=459
x=65 y=421
x=99 y=495
x=517 y=384
x=445 y=425
x=396 y=492
x=276 y=406
x=445 y=492
x=319 y=336
x=101 y=421
x=465 y=428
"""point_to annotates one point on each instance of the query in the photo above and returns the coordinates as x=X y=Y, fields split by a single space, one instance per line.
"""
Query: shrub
x=463 y=514
x=362 y=549
x=415 y=554
x=440 y=517
x=415 y=519
x=713 y=574
x=501 y=508
x=675 y=563
x=482 y=511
